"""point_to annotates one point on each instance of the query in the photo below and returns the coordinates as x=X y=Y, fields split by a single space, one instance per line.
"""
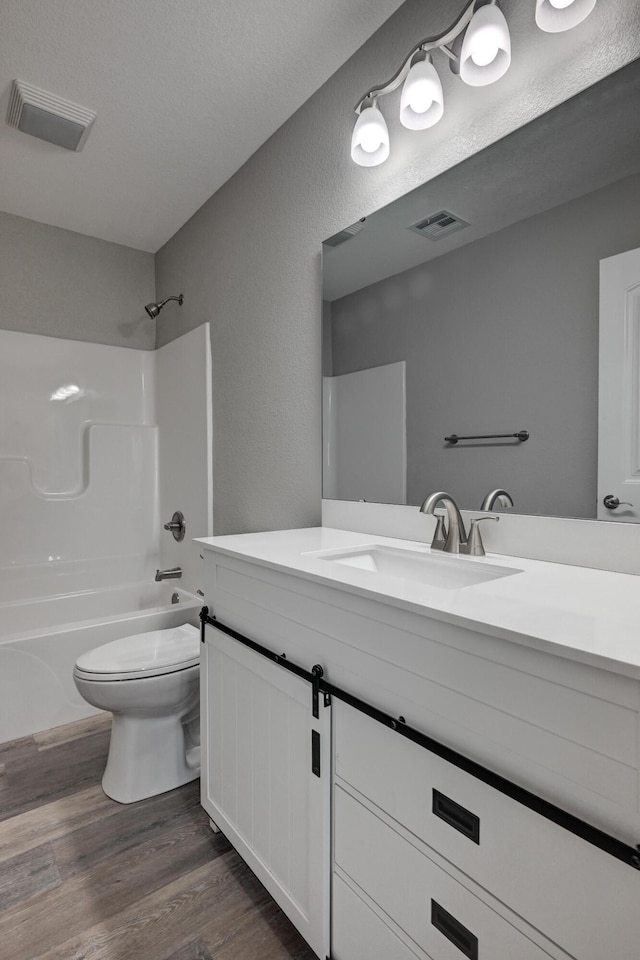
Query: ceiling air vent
x=49 y=117
x=345 y=234
x=439 y=225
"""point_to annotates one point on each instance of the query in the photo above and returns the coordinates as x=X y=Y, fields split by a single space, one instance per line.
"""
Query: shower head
x=153 y=309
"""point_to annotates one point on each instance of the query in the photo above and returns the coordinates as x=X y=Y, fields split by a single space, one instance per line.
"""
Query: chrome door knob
x=611 y=502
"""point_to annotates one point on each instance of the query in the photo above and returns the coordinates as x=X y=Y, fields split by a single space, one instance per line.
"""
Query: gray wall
x=249 y=259
x=62 y=284
x=500 y=336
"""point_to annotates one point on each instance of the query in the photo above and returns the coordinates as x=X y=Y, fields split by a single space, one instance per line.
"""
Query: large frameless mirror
x=488 y=305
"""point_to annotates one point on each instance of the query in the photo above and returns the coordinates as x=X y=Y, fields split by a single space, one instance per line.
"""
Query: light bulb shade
x=422 y=101
x=486 y=48
x=370 y=140
x=554 y=16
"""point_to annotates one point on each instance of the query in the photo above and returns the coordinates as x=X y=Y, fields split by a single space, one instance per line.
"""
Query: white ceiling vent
x=48 y=117
x=345 y=234
x=439 y=225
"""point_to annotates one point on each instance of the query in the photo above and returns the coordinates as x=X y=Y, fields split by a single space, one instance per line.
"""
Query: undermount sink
x=433 y=570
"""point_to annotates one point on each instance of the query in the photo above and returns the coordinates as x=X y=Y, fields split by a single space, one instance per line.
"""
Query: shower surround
x=81 y=505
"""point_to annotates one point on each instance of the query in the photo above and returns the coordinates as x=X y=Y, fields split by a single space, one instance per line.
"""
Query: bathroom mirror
x=470 y=307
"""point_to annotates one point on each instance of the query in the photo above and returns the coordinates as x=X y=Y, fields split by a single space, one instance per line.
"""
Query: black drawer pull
x=453 y=930
x=456 y=816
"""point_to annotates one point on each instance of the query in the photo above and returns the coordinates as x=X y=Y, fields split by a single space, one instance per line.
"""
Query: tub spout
x=173 y=574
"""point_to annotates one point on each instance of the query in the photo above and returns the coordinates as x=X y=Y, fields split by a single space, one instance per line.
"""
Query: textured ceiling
x=185 y=91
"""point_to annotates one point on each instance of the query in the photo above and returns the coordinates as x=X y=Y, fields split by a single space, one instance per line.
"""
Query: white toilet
x=150 y=683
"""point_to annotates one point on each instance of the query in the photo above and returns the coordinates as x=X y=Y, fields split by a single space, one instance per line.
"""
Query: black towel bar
x=521 y=435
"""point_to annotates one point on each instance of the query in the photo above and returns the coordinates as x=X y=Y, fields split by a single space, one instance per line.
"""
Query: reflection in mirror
x=470 y=306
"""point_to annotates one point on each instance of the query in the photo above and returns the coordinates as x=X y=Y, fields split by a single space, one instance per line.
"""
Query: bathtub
x=41 y=639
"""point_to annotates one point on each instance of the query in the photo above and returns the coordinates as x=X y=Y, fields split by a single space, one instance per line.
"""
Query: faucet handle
x=474 y=546
x=439 y=535
x=177 y=525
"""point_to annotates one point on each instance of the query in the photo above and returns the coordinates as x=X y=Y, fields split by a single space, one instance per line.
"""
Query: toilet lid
x=144 y=654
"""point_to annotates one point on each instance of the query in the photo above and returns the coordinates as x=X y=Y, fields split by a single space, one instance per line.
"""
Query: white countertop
x=592 y=616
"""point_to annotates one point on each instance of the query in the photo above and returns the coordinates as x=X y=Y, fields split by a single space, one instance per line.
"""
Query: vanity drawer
x=576 y=895
x=358 y=933
x=440 y=915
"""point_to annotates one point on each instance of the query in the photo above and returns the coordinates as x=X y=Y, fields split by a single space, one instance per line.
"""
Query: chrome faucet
x=453 y=538
x=501 y=497
x=173 y=574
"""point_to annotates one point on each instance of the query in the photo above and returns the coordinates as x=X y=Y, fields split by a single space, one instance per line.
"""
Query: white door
x=258 y=785
x=619 y=397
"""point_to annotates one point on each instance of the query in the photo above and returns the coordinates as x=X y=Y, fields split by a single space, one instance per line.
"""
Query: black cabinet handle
x=315 y=753
x=456 y=816
x=453 y=930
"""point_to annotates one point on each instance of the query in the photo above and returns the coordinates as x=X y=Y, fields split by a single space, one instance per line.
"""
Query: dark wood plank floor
x=85 y=878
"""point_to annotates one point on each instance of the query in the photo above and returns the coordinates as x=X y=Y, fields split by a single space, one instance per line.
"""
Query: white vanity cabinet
x=433 y=913
x=411 y=828
x=266 y=777
x=426 y=860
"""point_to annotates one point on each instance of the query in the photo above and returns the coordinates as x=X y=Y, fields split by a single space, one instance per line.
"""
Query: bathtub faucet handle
x=172 y=574
x=177 y=525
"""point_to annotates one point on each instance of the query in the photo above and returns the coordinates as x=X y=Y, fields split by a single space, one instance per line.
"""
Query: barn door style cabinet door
x=266 y=776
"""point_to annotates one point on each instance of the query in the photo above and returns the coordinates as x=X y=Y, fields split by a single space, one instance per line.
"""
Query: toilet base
x=148 y=756
x=155 y=731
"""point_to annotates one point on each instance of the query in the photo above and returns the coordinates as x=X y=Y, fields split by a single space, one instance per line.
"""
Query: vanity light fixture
x=486 y=47
x=478 y=47
x=422 y=102
x=370 y=140
x=554 y=16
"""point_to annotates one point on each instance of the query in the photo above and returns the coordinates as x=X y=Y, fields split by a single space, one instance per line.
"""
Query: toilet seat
x=143 y=655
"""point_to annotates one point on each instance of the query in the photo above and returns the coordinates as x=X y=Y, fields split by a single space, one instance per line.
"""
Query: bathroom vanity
x=426 y=756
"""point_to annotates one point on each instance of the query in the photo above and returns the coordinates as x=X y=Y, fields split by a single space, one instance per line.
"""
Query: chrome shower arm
x=180 y=300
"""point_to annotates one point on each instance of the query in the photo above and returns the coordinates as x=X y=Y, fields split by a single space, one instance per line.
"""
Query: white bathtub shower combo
x=83 y=430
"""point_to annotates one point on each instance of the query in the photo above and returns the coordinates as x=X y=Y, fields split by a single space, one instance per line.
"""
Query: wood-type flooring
x=85 y=878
